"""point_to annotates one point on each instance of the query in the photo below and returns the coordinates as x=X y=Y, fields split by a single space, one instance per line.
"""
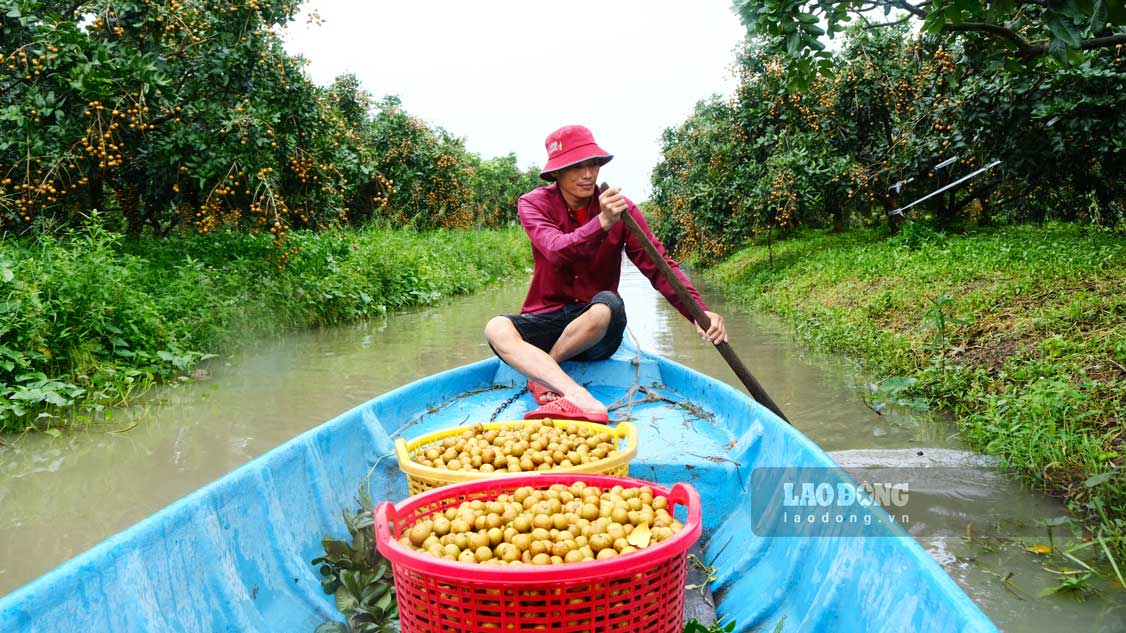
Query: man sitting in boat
x=573 y=310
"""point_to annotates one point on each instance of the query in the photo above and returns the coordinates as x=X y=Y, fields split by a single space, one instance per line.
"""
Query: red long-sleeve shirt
x=574 y=261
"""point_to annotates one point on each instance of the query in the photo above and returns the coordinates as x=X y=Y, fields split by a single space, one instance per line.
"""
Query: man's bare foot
x=585 y=401
x=542 y=394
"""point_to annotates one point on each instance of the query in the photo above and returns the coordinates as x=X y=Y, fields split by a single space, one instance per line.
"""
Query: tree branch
x=1101 y=42
x=878 y=25
x=871 y=6
x=12 y=84
x=1023 y=46
x=916 y=10
x=913 y=11
x=1027 y=50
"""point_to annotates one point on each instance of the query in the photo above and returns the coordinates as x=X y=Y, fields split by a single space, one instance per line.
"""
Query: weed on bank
x=91 y=319
x=1018 y=331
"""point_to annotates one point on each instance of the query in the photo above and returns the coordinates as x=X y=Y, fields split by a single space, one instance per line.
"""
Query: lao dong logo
x=845 y=494
x=825 y=502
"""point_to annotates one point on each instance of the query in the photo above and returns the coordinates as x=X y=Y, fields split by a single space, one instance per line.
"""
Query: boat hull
x=234 y=555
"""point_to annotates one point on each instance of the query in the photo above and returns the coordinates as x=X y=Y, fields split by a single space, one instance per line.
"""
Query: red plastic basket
x=638 y=592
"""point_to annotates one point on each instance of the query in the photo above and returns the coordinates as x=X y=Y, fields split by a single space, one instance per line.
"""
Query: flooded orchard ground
x=62 y=495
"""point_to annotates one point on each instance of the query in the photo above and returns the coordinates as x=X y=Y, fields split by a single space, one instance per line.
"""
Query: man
x=573 y=311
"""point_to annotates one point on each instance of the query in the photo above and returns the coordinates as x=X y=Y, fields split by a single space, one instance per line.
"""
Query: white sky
x=502 y=74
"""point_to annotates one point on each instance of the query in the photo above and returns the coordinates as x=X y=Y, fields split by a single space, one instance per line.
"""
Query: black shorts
x=543 y=329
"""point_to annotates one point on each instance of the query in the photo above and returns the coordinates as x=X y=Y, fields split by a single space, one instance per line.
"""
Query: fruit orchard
x=188 y=115
x=187 y=119
x=818 y=138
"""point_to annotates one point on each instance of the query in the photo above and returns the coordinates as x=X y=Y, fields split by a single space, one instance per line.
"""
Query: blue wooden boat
x=234 y=555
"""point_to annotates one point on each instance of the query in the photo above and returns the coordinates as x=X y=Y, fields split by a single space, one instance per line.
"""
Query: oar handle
x=698 y=314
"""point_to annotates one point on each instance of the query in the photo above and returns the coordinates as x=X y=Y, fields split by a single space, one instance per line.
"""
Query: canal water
x=62 y=495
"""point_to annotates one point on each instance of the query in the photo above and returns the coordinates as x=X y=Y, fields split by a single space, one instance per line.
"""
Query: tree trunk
x=96 y=194
x=836 y=210
x=894 y=221
x=129 y=199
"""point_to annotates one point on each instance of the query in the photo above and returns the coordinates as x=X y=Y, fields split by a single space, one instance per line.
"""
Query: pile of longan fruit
x=551 y=526
x=523 y=447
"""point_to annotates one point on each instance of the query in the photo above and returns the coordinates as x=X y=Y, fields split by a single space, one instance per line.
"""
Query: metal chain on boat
x=504 y=405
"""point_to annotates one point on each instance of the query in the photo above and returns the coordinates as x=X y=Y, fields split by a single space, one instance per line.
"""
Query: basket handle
x=383 y=519
x=630 y=432
x=685 y=495
x=401 y=449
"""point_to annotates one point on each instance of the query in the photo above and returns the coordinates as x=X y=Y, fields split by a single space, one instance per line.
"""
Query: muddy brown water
x=60 y=496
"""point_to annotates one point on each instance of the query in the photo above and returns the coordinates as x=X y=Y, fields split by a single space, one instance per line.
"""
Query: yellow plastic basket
x=422 y=478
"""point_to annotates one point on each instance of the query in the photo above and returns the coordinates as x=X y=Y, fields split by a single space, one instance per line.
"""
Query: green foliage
x=72 y=310
x=936 y=318
x=917 y=236
x=1024 y=31
x=771 y=161
x=890 y=112
x=858 y=143
x=1023 y=344
x=360 y=579
x=426 y=178
x=189 y=115
x=496 y=184
x=697 y=188
x=1075 y=584
x=1059 y=133
x=92 y=318
x=692 y=626
x=892 y=390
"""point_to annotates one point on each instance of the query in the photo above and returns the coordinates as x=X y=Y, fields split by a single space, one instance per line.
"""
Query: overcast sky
x=502 y=74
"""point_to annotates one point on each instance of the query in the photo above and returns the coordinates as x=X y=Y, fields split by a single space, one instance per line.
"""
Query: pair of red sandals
x=554 y=406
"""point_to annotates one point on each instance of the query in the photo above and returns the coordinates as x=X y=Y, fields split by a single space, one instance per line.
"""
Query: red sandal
x=563 y=409
x=540 y=393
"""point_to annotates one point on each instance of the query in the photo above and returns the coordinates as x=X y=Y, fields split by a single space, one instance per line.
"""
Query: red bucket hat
x=570 y=145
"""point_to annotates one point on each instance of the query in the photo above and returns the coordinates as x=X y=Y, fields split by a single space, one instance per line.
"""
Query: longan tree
x=190 y=115
x=1024 y=30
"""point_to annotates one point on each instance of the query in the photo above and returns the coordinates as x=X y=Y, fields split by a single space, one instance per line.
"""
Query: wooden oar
x=698 y=314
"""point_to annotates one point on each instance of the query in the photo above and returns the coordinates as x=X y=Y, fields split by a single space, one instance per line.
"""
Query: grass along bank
x=1019 y=332
x=91 y=319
